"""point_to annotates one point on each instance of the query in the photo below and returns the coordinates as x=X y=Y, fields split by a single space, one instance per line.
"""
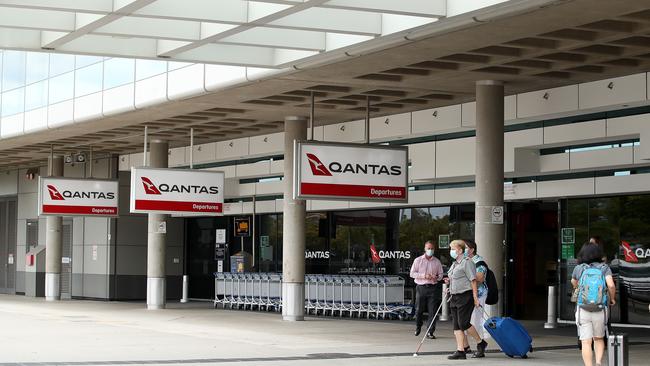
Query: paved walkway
x=117 y=333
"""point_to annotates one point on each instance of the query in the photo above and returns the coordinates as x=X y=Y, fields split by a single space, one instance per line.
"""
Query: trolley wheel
x=511 y=356
x=524 y=357
x=531 y=349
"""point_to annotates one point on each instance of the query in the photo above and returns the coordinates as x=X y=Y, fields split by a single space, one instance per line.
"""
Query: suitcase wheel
x=511 y=356
x=524 y=357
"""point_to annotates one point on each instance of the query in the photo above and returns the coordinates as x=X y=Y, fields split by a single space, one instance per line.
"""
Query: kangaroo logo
x=149 y=187
x=317 y=167
x=374 y=254
x=629 y=253
x=54 y=193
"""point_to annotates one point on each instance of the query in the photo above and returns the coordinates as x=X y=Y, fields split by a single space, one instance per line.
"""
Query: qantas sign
x=168 y=191
x=354 y=172
x=87 y=197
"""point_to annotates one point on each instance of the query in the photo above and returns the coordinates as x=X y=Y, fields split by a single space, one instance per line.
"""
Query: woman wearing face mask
x=464 y=298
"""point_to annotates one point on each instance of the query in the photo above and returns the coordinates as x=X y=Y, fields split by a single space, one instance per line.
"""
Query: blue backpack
x=592 y=289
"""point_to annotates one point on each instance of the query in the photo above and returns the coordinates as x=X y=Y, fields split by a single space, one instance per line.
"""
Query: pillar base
x=156 y=293
x=293 y=301
x=52 y=286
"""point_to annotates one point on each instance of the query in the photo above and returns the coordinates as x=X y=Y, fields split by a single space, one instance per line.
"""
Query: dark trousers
x=427 y=298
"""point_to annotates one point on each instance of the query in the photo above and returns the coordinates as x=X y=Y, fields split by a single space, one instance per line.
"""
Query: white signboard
x=77 y=197
x=351 y=172
x=221 y=236
x=175 y=191
x=497 y=215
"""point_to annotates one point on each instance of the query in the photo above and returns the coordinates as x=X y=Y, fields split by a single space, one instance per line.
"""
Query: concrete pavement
x=106 y=333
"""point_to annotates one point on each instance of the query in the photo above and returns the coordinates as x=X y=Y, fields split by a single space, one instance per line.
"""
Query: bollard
x=186 y=280
x=551 y=319
x=444 y=315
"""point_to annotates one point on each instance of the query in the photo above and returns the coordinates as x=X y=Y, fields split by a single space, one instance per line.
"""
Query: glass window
x=36 y=95
x=60 y=64
x=149 y=68
x=317 y=251
x=173 y=65
x=13 y=102
x=88 y=80
x=623 y=225
x=270 y=242
x=81 y=61
x=61 y=88
x=13 y=70
x=37 y=66
x=118 y=71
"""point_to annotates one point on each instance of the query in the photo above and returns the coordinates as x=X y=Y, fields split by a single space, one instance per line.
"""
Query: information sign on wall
x=568 y=235
x=351 y=172
x=176 y=191
x=77 y=197
x=242 y=226
x=443 y=241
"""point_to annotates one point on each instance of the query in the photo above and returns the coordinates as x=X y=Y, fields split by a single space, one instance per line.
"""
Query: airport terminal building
x=572 y=155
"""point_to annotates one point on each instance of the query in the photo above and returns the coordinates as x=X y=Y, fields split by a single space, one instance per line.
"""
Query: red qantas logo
x=629 y=253
x=149 y=187
x=374 y=254
x=317 y=167
x=54 y=193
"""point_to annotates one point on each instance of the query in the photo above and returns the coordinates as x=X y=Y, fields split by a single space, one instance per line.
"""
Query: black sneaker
x=481 y=346
x=458 y=355
x=417 y=331
x=468 y=349
x=478 y=354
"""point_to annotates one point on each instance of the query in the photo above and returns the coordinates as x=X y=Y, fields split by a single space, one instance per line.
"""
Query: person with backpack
x=592 y=280
x=487 y=288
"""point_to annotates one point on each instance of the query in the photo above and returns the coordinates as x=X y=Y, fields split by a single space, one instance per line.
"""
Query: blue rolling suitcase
x=510 y=335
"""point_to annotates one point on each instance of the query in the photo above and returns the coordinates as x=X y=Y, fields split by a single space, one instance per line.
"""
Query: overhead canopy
x=529 y=44
x=263 y=33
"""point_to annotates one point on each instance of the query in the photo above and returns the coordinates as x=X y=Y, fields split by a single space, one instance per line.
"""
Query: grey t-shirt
x=577 y=272
x=461 y=274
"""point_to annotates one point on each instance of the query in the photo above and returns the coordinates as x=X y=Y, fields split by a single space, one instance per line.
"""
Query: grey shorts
x=590 y=324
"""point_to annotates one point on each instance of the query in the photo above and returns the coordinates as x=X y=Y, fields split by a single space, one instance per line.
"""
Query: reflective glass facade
x=623 y=223
x=336 y=242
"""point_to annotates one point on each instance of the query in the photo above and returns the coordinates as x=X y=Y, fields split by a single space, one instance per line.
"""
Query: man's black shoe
x=431 y=336
x=468 y=349
x=417 y=331
x=458 y=355
x=478 y=354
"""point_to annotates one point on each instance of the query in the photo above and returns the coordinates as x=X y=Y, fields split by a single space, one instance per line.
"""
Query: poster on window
x=354 y=172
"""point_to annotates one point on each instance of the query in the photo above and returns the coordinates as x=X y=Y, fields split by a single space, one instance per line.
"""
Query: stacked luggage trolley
x=354 y=296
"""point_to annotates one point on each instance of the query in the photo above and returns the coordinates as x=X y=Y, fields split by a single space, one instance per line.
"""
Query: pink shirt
x=423 y=266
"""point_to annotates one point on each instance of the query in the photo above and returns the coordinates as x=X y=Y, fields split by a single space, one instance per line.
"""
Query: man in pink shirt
x=427 y=273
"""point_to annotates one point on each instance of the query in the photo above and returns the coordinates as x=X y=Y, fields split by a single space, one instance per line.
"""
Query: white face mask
x=429 y=252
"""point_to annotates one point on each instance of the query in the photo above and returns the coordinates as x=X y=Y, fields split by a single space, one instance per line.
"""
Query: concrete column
x=293 y=229
x=53 y=241
x=489 y=179
x=156 y=286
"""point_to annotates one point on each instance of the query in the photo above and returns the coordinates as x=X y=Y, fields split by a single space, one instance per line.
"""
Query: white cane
x=429 y=328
